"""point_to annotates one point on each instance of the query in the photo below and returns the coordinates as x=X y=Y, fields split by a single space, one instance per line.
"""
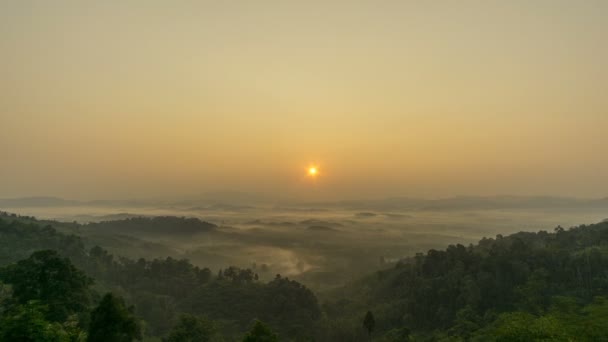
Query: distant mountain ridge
x=468 y=203
x=42 y=201
x=394 y=203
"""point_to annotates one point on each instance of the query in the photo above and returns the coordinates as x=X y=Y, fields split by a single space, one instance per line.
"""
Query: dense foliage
x=48 y=278
x=154 y=225
x=260 y=333
x=160 y=289
x=488 y=290
x=20 y=239
x=49 y=300
x=112 y=321
x=191 y=328
x=523 y=287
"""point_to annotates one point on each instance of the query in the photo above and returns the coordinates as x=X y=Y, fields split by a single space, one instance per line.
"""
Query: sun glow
x=312 y=171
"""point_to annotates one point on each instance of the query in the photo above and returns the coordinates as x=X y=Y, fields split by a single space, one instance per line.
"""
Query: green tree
x=191 y=328
x=112 y=321
x=369 y=323
x=592 y=321
x=466 y=323
x=524 y=327
x=260 y=332
x=27 y=323
x=51 y=280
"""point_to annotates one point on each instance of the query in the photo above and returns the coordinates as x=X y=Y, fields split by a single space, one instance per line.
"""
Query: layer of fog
x=321 y=244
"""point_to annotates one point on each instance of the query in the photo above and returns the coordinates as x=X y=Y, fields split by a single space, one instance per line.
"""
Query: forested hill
x=129 y=225
x=36 y=261
x=523 y=287
x=154 y=225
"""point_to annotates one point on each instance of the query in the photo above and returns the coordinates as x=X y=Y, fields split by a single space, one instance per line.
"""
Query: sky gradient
x=115 y=99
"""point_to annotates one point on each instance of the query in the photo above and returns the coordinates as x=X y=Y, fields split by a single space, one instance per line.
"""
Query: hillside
x=162 y=289
x=152 y=225
x=522 y=287
x=518 y=288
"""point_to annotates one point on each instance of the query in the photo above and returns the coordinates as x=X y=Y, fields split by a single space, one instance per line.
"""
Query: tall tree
x=260 y=332
x=369 y=323
x=112 y=321
x=27 y=323
x=53 y=281
x=191 y=328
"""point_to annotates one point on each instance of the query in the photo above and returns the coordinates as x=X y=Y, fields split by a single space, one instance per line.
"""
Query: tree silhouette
x=369 y=323
x=27 y=323
x=52 y=280
x=260 y=332
x=111 y=321
x=191 y=328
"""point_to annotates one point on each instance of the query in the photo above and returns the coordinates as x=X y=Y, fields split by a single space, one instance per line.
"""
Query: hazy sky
x=418 y=98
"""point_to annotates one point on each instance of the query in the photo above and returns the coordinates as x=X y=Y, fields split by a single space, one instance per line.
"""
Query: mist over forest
x=323 y=245
x=303 y=171
x=330 y=255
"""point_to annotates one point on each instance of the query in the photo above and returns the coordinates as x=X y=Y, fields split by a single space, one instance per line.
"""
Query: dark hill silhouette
x=154 y=225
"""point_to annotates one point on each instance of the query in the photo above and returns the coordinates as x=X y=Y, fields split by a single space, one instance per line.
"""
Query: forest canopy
x=525 y=286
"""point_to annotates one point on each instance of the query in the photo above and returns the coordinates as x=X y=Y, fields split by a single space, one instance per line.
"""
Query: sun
x=312 y=171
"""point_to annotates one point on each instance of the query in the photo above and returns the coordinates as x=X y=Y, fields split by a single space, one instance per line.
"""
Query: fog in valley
x=323 y=245
x=299 y=171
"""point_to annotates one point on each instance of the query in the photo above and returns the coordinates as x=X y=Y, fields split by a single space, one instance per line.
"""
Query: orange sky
x=157 y=98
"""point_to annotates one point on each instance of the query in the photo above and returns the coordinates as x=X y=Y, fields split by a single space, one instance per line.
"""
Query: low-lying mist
x=320 y=244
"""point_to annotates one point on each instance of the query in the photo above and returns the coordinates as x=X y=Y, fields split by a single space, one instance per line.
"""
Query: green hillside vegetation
x=153 y=225
x=160 y=290
x=527 y=286
x=544 y=286
x=133 y=237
